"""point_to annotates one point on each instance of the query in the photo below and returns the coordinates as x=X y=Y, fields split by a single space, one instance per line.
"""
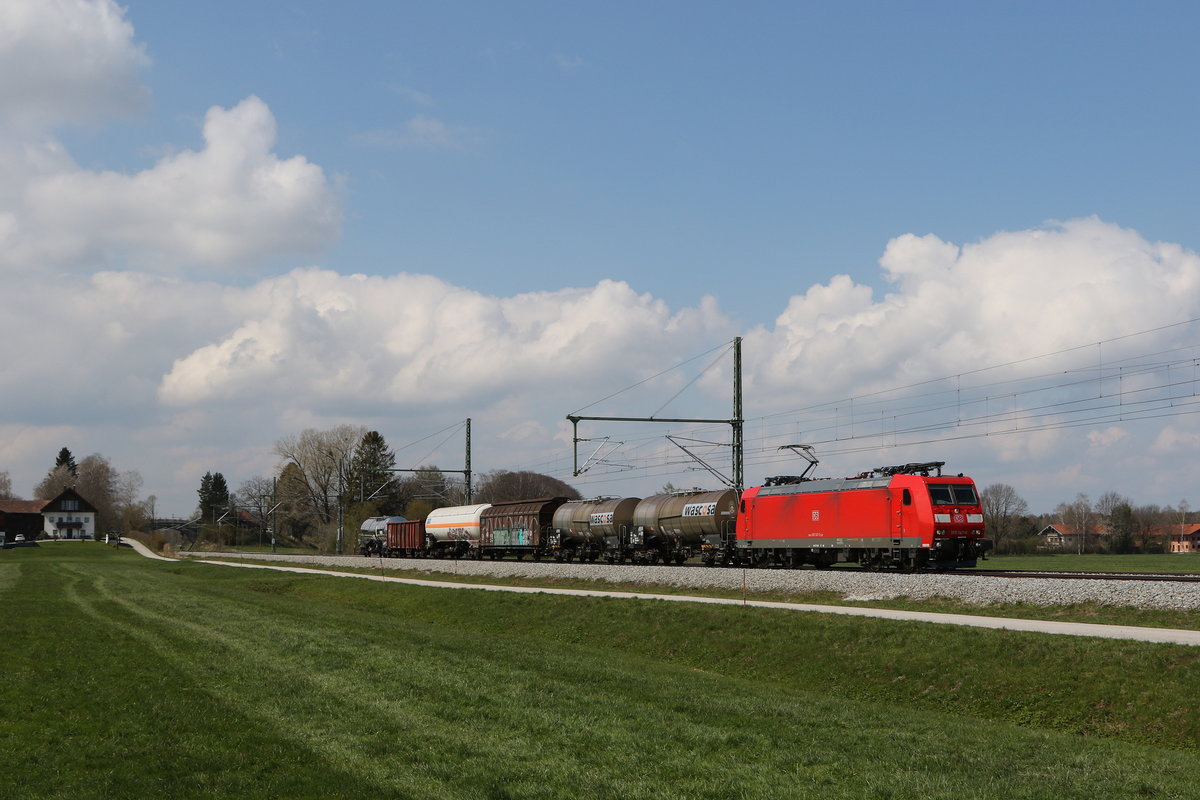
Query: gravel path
x=863 y=587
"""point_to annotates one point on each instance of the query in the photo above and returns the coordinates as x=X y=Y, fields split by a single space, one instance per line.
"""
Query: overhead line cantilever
x=736 y=422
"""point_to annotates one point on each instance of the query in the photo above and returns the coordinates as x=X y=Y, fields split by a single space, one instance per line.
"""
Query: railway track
x=1083 y=576
x=1148 y=577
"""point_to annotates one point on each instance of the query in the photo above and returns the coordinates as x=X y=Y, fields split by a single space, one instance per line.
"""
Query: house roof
x=69 y=494
x=1170 y=530
x=23 y=506
x=1071 y=530
x=44 y=506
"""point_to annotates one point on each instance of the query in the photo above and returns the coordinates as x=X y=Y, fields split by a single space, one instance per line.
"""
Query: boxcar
x=518 y=528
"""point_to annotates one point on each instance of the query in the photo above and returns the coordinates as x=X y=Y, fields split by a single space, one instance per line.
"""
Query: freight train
x=907 y=517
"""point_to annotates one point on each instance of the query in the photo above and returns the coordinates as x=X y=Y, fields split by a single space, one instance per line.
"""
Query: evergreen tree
x=65 y=459
x=214 y=495
x=371 y=479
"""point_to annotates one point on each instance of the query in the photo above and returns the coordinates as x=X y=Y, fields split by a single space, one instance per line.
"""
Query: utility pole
x=737 y=422
x=467 y=462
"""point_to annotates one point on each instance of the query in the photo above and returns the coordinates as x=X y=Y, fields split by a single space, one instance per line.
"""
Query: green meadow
x=125 y=677
x=1183 y=563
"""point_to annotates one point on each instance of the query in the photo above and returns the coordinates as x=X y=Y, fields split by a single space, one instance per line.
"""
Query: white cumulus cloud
x=956 y=309
x=317 y=336
x=233 y=203
x=67 y=61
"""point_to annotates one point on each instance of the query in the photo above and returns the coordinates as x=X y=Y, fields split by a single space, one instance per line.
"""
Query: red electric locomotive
x=905 y=517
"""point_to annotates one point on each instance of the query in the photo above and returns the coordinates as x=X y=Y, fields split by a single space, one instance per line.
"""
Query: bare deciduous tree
x=256 y=495
x=1002 y=510
x=1147 y=521
x=1079 y=517
x=322 y=461
x=502 y=485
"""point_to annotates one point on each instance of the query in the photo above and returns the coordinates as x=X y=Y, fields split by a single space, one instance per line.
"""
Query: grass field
x=122 y=677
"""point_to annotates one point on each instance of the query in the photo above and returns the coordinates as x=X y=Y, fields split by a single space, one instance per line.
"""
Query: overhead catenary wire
x=650 y=378
x=1150 y=385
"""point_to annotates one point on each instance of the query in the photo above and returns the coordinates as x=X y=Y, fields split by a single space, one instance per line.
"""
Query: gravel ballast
x=853 y=586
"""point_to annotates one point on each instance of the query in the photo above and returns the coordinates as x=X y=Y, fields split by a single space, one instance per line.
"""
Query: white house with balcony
x=69 y=516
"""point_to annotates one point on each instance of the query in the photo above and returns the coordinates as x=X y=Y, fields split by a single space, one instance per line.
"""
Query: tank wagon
x=676 y=527
x=454 y=531
x=572 y=524
x=611 y=524
x=905 y=517
x=581 y=527
x=372 y=535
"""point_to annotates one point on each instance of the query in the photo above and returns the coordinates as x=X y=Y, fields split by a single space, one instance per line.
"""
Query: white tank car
x=455 y=524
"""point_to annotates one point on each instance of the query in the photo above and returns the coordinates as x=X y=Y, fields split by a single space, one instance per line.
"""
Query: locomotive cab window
x=949 y=494
x=907 y=497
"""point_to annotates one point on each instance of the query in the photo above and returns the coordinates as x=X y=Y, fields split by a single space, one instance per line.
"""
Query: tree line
x=115 y=494
x=337 y=478
x=341 y=476
x=1111 y=524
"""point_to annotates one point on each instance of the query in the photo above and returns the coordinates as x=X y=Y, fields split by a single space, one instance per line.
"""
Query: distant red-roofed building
x=1173 y=538
x=1186 y=539
x=1068 y=537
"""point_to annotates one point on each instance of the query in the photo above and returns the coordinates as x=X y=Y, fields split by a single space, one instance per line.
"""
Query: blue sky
x=674 y=174
x=691 y=148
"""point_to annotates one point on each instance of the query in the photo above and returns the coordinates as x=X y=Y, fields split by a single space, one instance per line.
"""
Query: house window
x=70 y=505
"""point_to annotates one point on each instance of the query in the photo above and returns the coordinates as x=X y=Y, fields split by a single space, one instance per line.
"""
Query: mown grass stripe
x=10 y=573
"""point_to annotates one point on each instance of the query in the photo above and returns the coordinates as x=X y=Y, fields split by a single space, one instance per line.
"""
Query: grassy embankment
x=124 y=677
x=1113 y=613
